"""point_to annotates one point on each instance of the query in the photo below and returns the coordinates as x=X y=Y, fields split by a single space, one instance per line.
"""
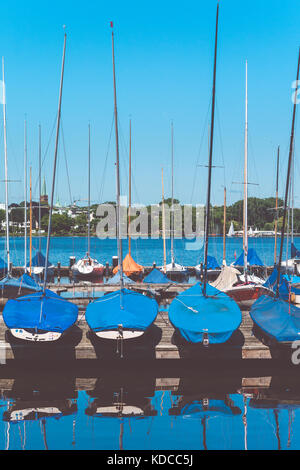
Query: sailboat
x=42 y=316
x=10 y=286
x=277 y=319
x=122 y=314
x=88 y=267
x=130 y=267
x=174 y=271
x=202 y=313
x=231 y=231
x=247 y=287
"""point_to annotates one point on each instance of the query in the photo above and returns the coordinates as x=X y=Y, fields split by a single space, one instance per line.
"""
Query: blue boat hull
x=197 y=317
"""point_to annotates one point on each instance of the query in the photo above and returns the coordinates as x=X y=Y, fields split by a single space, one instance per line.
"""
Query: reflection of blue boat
x=43 y=316
x=37 y=410
x=210 y=318
x=204 y=408
x=122 y=313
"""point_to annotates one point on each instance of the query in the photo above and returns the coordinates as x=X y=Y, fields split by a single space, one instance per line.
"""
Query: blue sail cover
x=47 y=312
x=285 y=284
x=105 y=313
x=194 y=314
x=157 y=277
x=294 y=252
x=3 y=265
x=212 y=263
x=277 y=318
x=253 y=259
x=25 y=282
x=38 y=260
x=116 y=279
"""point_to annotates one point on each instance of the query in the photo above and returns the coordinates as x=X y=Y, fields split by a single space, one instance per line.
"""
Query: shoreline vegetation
x=72 y=220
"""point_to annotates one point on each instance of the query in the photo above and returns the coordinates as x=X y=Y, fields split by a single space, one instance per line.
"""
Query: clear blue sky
x=164 y=58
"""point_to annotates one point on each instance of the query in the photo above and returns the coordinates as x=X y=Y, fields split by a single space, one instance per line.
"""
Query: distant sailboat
x=43 y=316
x=276 y=318
x=123 y=314
x=231 y=231
x=88 y=267
x=204 y=314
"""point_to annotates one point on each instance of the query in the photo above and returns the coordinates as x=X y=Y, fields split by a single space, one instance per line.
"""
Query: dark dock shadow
x=38 y=354
x=137 y=348
x=279 y=352
x=232 y=349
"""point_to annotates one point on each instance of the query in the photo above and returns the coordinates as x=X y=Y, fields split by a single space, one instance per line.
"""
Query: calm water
x=143 y=251
x=60 y=412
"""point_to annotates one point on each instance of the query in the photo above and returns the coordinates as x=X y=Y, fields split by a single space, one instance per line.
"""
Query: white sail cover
x=227 y=278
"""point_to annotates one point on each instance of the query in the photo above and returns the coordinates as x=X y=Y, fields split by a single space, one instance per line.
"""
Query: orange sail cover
x=129 y=266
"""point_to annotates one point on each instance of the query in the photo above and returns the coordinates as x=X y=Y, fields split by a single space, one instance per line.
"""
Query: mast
x=30 y=230
x=129 y=190
x=276 y=206
x=163 y=220
x=172 y=195
x=5 y=170
x=55 y=160
x=224 y=229
x=89 y=193
x=210 y=157
x=288 y=178
x=120 y=247
x=40 y=168
x=246 y=180
x=25 y=194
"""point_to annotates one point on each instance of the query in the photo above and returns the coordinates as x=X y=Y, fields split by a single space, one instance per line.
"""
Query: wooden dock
x=159 y=344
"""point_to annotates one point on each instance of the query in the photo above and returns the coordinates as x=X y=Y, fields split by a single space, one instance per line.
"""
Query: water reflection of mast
x=203 y=422
x=277 y=428
x=121 y=419
x=44 y=433
x=245 y=424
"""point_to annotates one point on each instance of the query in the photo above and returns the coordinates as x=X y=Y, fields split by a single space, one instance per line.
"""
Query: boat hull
x=246 y=294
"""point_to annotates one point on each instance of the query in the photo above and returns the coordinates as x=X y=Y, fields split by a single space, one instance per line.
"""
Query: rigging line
x=101 y=190
x=47 y=149
x=135 y=191
x=66 y=163
x=200 y=150
x=221 y=142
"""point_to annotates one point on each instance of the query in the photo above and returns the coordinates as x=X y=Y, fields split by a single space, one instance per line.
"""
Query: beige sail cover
x=227 y=278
